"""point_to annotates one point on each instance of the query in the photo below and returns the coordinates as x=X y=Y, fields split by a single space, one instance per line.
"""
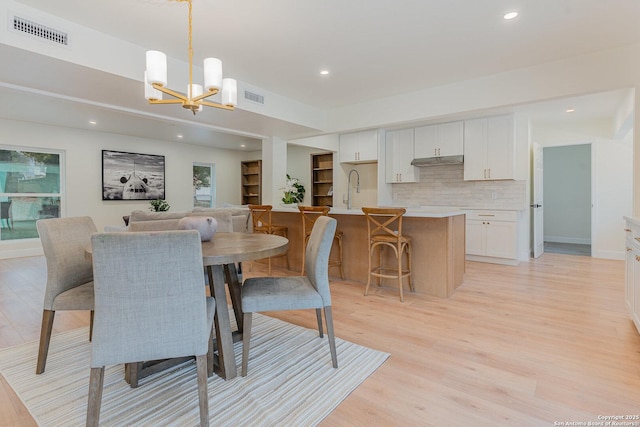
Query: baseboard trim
x=21 y=253
x=562 y=239
x=492 y=260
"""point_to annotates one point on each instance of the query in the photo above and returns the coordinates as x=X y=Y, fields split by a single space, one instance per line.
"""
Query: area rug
x=290 y=383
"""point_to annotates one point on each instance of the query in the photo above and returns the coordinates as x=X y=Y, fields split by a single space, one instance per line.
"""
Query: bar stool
x=309 y=216
x=261 y=220
x=384 y=226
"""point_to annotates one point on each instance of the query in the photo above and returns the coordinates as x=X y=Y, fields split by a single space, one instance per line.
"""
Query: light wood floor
x=544 y=341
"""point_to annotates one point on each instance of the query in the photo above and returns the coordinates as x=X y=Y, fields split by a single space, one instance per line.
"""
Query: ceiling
x=372 y=48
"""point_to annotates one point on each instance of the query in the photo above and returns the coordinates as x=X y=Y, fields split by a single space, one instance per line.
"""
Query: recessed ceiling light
x=92 y=122
x=570 y=110
x=510 y=15
x=242 y=145
x=179 y=136
x=324 y=72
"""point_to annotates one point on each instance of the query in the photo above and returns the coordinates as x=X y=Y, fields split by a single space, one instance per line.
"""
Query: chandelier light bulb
x=150 y=93
x=229 y=92
x=212 y=74
x=156 y=67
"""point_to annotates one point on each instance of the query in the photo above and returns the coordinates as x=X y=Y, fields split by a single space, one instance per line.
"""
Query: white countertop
x=633 y=220
x=421 y=211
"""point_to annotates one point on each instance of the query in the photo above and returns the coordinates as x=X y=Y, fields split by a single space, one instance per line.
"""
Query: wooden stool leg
x=411 y=288
x=304 y=252
x=340 y=257
x=366 y=289
x=399 y=258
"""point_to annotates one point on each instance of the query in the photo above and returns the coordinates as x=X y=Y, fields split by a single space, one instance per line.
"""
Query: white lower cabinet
x=491 y=236
x=632 y=270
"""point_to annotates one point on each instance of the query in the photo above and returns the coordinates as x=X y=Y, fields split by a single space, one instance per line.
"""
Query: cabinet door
x=348 y=148
x=475 y=152
x=501 y=239
x=500 y=148
x=629 y=279
x=368 y=146
x=398 y=156
x=635 y=308
x=425 y=142
x=451 y=139
x=475 y=237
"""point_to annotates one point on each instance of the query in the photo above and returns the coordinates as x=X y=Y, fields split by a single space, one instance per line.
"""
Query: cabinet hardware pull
x=629 y=249
x=489 y=173
x=486 y=214
x=637 y=238
x=485 y=173
x=627 y=230
x=637 y=257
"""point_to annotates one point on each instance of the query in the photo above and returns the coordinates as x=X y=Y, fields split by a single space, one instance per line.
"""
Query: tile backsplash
x=444 y=186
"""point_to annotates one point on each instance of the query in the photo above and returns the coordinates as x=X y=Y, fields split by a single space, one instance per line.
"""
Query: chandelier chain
x=190 y=53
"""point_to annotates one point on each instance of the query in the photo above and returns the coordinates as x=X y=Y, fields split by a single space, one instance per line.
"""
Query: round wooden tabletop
x=226 y=248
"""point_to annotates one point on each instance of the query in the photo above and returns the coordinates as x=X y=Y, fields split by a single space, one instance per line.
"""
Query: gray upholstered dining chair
x=69 y=274
x=150 y=304
x=295 y=293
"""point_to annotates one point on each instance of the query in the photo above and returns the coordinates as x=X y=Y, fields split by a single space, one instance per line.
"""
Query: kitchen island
x=437 y=246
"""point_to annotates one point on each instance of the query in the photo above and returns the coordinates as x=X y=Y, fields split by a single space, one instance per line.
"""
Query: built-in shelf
x=322 y=170
x=251 y=179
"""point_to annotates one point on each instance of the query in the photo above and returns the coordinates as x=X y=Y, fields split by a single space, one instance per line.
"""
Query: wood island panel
x=437 y=250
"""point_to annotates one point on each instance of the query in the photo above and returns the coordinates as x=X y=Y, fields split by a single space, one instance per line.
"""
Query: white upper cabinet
x=443 y=139
x=359 y=147
x=398 y=157
x=489 y=149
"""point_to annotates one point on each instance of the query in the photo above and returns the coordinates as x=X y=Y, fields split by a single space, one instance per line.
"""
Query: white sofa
x=229 y=219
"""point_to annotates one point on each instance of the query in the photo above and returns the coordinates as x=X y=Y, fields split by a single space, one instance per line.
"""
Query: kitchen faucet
x=349 y=187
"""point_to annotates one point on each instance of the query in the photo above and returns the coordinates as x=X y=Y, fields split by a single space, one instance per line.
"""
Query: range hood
x=435 y=161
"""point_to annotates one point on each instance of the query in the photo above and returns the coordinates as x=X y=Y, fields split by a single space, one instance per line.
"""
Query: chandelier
x=155 y=80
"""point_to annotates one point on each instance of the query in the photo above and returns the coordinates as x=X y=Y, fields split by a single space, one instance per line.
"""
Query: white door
x=537 y=210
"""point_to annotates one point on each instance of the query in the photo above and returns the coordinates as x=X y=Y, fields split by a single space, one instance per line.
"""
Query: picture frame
x=132 y=176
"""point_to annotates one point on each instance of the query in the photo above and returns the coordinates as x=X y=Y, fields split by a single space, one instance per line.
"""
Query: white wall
x=83 y=164
x=567 y=194
x=299 y=166
x=612 y=163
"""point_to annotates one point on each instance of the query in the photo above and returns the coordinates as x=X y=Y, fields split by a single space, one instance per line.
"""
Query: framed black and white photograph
x=132 y=176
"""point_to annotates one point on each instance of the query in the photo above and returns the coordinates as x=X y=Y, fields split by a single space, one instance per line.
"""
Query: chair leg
x=328 y=316
x=203 y=395
x=45 y=337
x=319 y=317
x=210 y=355
x=96 y=381
x=91 y=326
x=246 y=340
x=132 y=371
x=340 y=258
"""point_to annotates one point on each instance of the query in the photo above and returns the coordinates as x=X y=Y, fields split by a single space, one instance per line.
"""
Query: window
x=30 y=189
x=204 y=186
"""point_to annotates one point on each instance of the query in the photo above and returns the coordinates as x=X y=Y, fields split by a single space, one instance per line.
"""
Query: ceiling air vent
x=254 y=97
x=41 y=31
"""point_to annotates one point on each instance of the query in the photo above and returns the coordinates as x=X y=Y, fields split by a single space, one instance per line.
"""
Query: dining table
x=221 y=257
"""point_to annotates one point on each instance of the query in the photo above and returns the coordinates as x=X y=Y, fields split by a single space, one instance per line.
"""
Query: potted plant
x=159 y=205
x=293 y=192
